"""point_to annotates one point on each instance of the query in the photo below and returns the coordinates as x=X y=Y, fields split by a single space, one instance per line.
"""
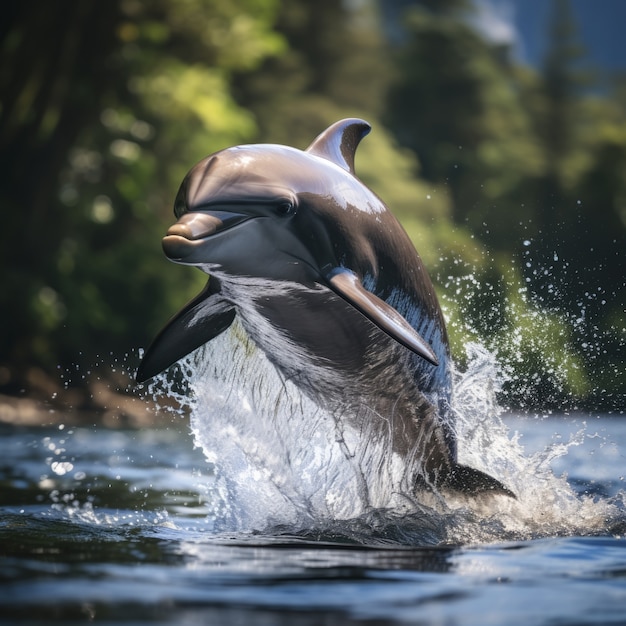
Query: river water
x=199 y=523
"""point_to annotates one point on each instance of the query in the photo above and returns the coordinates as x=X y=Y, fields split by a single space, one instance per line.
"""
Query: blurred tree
x=456 y=104
x=521 y=154
x=577 y=265
x=48 y=55
x=563 y=82
x=105 y=106
x=337 y=65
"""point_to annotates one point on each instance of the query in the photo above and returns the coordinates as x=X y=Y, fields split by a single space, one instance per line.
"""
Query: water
x=263 y=510
x=110 y=526
x=252 y=506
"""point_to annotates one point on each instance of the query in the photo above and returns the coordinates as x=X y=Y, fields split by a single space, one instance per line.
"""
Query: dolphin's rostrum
x=327 y=284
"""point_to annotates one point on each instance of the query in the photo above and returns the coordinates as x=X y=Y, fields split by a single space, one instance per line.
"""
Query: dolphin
x=328 y=285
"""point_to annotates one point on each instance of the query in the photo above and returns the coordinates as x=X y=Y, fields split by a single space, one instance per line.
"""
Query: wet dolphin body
x=328 y=285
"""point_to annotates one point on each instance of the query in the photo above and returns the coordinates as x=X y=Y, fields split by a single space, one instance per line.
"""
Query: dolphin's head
x=275 y=211
x=278 y=213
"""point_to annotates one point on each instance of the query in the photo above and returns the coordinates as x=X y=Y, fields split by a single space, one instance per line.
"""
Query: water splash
x=280 y=459
x=546 y=504
x=284 y=466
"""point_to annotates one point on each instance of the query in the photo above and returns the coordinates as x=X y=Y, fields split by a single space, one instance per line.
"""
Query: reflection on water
x=128 y=534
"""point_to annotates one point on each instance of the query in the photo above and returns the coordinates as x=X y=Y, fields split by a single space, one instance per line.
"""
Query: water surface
x=112 y=526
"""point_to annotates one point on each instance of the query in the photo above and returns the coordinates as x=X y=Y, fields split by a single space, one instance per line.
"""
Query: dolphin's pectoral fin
x=339 y=142
x=474 y=482
x=202 y=319
x=348 y=286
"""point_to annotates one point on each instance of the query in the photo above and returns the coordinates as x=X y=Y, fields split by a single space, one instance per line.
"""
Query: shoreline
x=100 y=407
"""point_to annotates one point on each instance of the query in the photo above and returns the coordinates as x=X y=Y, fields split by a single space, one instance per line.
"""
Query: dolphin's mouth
x=196 y=226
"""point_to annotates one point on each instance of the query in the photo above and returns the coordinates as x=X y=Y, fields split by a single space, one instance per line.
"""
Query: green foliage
x=456 y=104
x=526 y=157
x=510 y=181
x=120 y=101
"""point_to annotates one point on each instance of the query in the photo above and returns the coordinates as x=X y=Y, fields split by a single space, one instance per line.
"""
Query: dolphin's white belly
x=340 y=360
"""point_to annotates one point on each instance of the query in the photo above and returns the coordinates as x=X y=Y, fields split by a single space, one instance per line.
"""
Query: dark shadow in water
x=183 y=613
x=67 y=571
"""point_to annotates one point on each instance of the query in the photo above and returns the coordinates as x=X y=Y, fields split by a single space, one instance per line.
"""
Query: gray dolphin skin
x=328 y=285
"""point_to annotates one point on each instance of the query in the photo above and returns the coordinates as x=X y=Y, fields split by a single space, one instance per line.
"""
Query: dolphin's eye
x=286 y=208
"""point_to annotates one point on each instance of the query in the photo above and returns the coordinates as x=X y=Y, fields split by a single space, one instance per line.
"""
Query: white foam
x=283 y=462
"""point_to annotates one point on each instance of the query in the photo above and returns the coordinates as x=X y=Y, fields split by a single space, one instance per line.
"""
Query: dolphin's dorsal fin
x=339 y=142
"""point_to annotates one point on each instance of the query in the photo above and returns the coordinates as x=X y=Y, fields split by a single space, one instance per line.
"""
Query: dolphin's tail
x=473 y=482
